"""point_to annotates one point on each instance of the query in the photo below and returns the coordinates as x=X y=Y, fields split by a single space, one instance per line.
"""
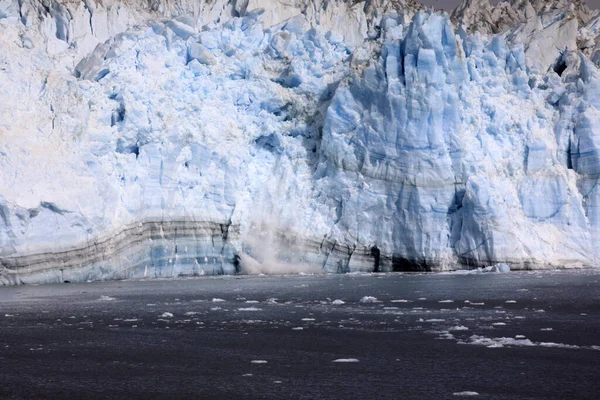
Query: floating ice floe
x=519 y=341
x=458 y=328
x=368 y=300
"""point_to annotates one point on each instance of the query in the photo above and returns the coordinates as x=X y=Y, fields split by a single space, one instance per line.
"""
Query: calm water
x=503 y=336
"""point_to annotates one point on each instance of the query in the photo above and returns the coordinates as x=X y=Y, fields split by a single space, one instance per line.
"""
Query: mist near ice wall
x=264 y=244
x=264 y=248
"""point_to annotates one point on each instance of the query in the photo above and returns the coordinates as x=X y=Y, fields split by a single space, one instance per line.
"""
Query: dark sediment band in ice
x=154 y=249
x=162 y=249
x=145 y=249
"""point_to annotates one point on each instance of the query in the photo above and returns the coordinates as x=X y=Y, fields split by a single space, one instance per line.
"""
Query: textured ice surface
x=457 y=137
x=188 y=138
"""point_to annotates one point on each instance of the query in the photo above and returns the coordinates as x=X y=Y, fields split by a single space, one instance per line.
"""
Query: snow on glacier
x=191 y=139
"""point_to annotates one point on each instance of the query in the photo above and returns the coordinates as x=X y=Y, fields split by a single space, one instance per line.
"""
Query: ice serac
x=388 y=161
x=457 y=136
x=167 y=138
x=481 y=16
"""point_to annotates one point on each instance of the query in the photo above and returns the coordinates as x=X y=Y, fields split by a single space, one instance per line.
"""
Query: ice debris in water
x=346 y=360
x=501 y=268
x=106 y=298
x=259 y=362
x=458 y=328
x=338 y=302
x=520 y=340
x=466 y=393
x=368 y=299
x=166 y=315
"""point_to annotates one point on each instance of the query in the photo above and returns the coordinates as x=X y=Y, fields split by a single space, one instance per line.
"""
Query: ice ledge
x=150 y=246
x=166 y=249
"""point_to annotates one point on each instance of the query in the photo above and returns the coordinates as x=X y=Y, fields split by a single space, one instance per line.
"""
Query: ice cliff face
x=480 y=15
x=168 y=138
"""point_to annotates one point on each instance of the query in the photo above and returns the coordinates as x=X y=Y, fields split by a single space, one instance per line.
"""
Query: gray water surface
x=528 y=335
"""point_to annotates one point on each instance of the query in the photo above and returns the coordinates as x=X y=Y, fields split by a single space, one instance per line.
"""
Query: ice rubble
x=182 y=138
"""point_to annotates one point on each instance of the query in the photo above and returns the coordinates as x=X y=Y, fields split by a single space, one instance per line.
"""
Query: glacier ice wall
x=169 y=138
x=445 y=150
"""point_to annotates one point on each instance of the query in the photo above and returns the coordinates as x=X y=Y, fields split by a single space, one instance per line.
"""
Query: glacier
x=173 y=138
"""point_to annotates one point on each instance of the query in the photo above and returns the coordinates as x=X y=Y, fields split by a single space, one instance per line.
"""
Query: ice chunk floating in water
x=368 y=300
x=185 y=140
